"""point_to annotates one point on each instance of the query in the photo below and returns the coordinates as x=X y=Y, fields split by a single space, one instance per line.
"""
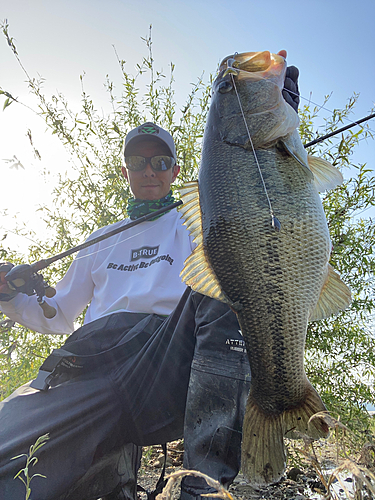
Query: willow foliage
x=340 y=360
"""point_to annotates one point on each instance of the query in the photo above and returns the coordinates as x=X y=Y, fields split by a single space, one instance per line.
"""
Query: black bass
x=263 y=247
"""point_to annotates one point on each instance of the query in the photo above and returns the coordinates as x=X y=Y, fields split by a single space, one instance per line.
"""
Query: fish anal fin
x=334 y=297
x=263 y=457
x=326 y=176
x=197 y=272
x=298 y=420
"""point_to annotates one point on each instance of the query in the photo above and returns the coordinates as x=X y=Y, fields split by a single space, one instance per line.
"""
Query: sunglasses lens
x=161 y=163
x=135 y=163
x=158 y=163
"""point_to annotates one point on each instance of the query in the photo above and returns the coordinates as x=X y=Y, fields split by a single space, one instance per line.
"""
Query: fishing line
x=93 y=240
x=275 y=221
x=109 y=246
x=89 y=254
x=330 y=111
x=21 y=236
x=306 y=99
x=334 y=145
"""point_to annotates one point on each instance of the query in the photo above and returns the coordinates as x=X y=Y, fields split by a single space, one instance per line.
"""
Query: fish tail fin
x=299 y=418
x=263 y=453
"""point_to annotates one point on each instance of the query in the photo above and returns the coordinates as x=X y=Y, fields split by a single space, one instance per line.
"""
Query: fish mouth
x=263 y=63
x=256 y=81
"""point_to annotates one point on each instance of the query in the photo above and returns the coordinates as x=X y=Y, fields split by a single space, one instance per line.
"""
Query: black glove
x=291 y=84
x=5 y=267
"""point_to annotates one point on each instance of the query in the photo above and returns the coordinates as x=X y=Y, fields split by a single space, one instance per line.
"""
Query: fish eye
x=225 y=86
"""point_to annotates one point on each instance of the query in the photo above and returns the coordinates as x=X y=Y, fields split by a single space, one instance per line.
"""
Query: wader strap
x=63 y=361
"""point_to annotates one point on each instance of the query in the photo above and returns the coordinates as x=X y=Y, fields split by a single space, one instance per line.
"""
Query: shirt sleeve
x=73 y=293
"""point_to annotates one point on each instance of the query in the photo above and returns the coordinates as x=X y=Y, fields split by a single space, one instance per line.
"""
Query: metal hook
x=232 y=66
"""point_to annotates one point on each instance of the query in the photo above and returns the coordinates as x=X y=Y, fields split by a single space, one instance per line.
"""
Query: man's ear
x=125 y=173
x=176 y=171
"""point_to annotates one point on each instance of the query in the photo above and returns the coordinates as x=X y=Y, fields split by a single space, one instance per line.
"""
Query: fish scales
x=273 y=280
x=264 y=270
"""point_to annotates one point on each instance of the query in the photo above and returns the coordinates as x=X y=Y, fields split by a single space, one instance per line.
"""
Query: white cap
x=149 y=129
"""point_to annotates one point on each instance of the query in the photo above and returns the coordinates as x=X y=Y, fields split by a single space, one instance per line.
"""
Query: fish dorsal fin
x=191 y=211
x=197 y=272
x=293 y=145
x=326 y=176
x=334 y=297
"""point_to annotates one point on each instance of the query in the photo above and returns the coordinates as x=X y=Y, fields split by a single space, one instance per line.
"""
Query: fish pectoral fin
x=292 y=144
x=299 y=422
x=197 y=272
x=334 y=297
x=263 y=457
x=326 y=176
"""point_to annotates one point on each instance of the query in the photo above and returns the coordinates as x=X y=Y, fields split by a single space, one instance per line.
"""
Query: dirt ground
x=301 y=482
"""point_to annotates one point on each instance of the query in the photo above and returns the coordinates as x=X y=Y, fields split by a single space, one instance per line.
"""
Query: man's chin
x=151 y=193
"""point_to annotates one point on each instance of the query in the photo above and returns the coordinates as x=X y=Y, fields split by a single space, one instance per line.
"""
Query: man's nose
x=148 y=172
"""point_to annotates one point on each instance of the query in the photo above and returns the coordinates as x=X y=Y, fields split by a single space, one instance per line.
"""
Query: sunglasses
x=158 y=163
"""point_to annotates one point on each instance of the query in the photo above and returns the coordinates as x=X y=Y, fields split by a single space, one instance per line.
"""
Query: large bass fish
x=263 y=248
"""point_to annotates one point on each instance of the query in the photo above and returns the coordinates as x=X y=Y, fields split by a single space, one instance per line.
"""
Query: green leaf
x=7 y=103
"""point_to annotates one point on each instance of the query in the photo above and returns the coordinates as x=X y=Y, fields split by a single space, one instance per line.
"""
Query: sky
x=330 y=41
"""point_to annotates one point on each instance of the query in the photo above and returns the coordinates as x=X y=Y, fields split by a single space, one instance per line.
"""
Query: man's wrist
x=6 y=297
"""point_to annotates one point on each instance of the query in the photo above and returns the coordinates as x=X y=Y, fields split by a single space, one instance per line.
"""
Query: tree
x=96 y=195
x=339 y=357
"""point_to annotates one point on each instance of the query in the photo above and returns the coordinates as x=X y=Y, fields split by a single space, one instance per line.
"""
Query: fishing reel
x=25 y=279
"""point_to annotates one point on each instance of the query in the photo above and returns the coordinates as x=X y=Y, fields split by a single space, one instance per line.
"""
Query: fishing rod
x=324 y=137
x=24 y=278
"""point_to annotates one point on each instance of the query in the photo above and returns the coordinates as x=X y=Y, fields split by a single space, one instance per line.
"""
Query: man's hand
x=291 y=92
x=6 y=293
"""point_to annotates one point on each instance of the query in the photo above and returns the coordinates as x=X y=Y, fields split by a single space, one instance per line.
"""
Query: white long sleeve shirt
x=136 y=270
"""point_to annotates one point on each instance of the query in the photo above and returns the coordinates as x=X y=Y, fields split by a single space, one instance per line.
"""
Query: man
x=131 y=283
x=143 y=339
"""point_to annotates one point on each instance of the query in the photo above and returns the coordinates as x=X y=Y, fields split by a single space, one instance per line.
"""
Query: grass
x=31 y=460
x=340 y=455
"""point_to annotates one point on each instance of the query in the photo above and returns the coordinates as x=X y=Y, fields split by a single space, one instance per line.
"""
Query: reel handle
x=48 y=311
x=49 y=292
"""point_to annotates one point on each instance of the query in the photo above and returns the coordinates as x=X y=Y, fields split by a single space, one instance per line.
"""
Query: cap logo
x=148 y=129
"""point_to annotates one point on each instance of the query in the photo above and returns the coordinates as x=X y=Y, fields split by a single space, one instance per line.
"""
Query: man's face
x=147 y=184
